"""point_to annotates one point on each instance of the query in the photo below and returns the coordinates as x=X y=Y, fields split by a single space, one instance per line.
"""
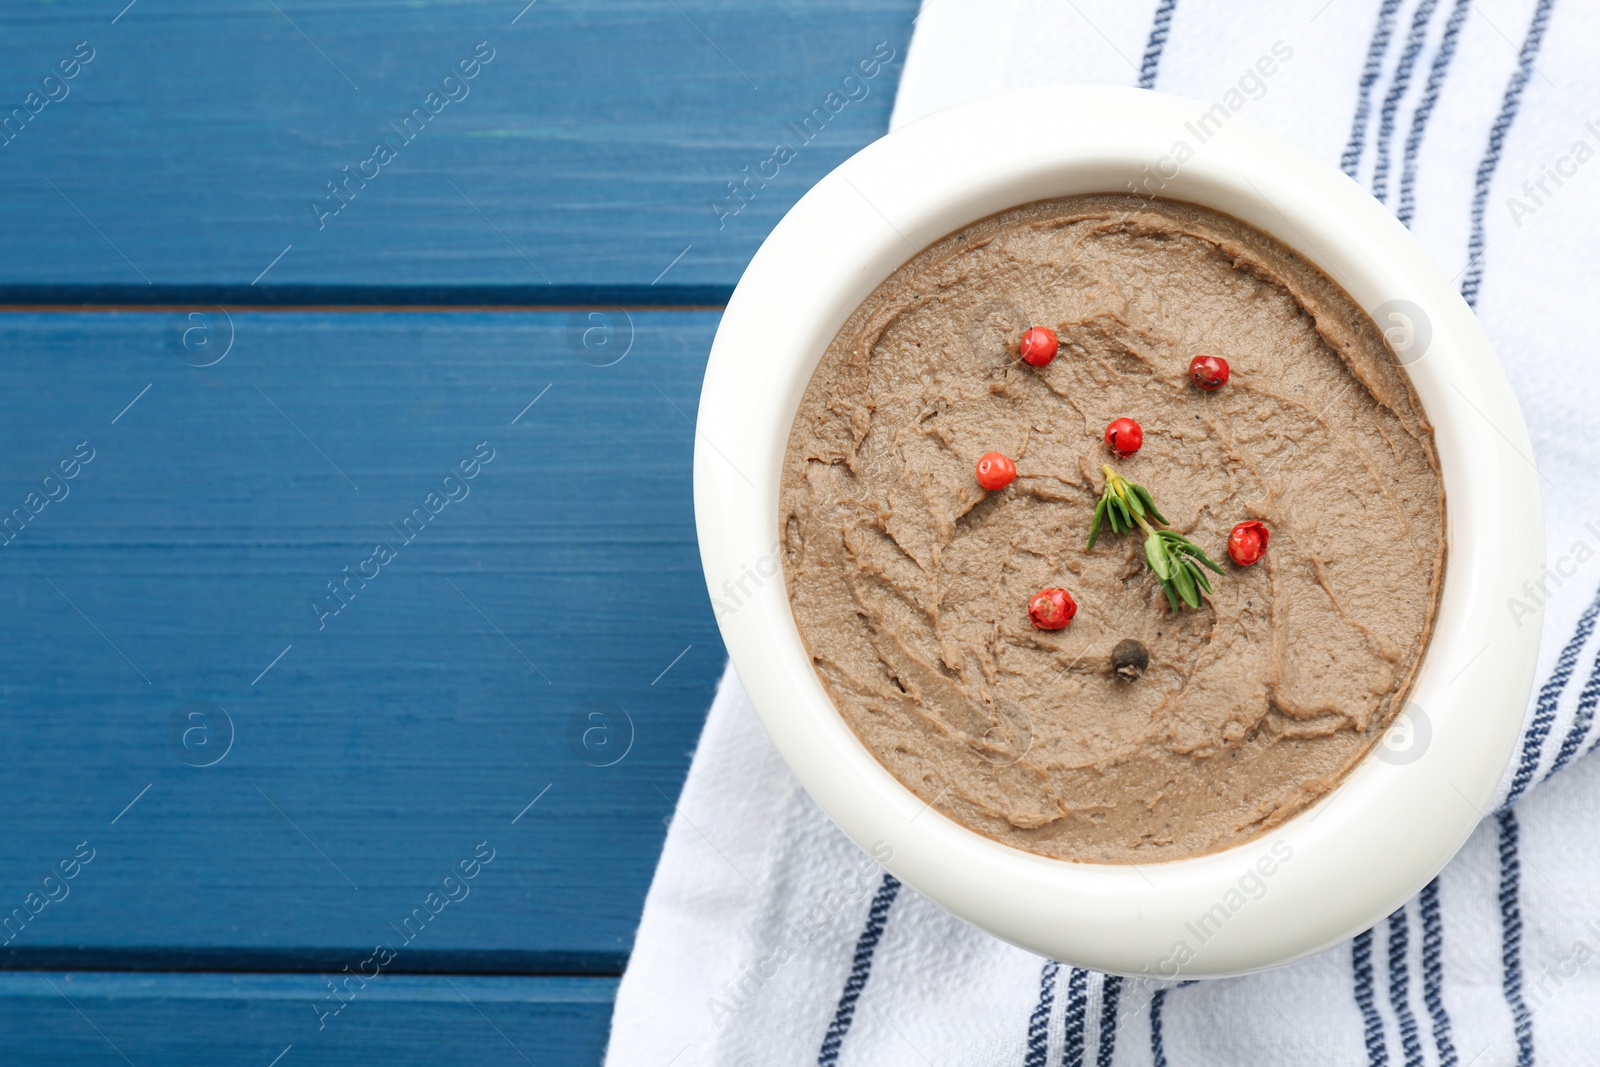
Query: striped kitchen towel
x=769 y=939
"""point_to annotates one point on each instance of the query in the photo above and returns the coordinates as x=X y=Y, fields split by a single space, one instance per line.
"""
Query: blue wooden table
x=354 y=639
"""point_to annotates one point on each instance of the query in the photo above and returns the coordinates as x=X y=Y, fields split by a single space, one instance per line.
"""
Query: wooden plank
x=580 y=164
x=202 y=1019
x=550 y=619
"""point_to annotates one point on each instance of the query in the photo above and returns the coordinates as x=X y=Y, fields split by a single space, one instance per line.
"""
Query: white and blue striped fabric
x=769 y=939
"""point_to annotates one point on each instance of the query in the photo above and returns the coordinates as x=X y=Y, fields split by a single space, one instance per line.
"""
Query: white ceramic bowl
x=1326 y=874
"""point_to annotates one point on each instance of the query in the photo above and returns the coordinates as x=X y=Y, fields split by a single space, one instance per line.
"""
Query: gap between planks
x=76 y=309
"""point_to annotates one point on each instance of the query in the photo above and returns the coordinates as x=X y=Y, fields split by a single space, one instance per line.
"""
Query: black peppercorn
x=1129 y=659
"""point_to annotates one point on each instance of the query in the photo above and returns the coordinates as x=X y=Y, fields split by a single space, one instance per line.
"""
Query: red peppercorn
x=995 y=471
x=1209 y=372
x=1247 y=543
x=1038 y=346
x=1124 y=436
x=1052 y=609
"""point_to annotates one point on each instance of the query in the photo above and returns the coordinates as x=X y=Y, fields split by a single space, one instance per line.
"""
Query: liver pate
x=910 y=584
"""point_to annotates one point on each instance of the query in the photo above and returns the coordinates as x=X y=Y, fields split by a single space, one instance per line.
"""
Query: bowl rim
x=1326 y=873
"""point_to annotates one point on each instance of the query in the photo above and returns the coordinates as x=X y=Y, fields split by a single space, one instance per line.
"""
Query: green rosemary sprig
x=1174 y=558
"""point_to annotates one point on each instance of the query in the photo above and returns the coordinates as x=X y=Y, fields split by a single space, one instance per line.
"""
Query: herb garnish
x=1174 y=558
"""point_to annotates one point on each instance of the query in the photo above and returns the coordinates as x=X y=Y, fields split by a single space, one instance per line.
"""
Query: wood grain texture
x=395 y=736
x=207 y=779
x=576 y=166
x=179 y=1020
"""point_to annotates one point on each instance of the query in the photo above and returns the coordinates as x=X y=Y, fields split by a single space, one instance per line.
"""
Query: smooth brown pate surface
x=910 y=584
